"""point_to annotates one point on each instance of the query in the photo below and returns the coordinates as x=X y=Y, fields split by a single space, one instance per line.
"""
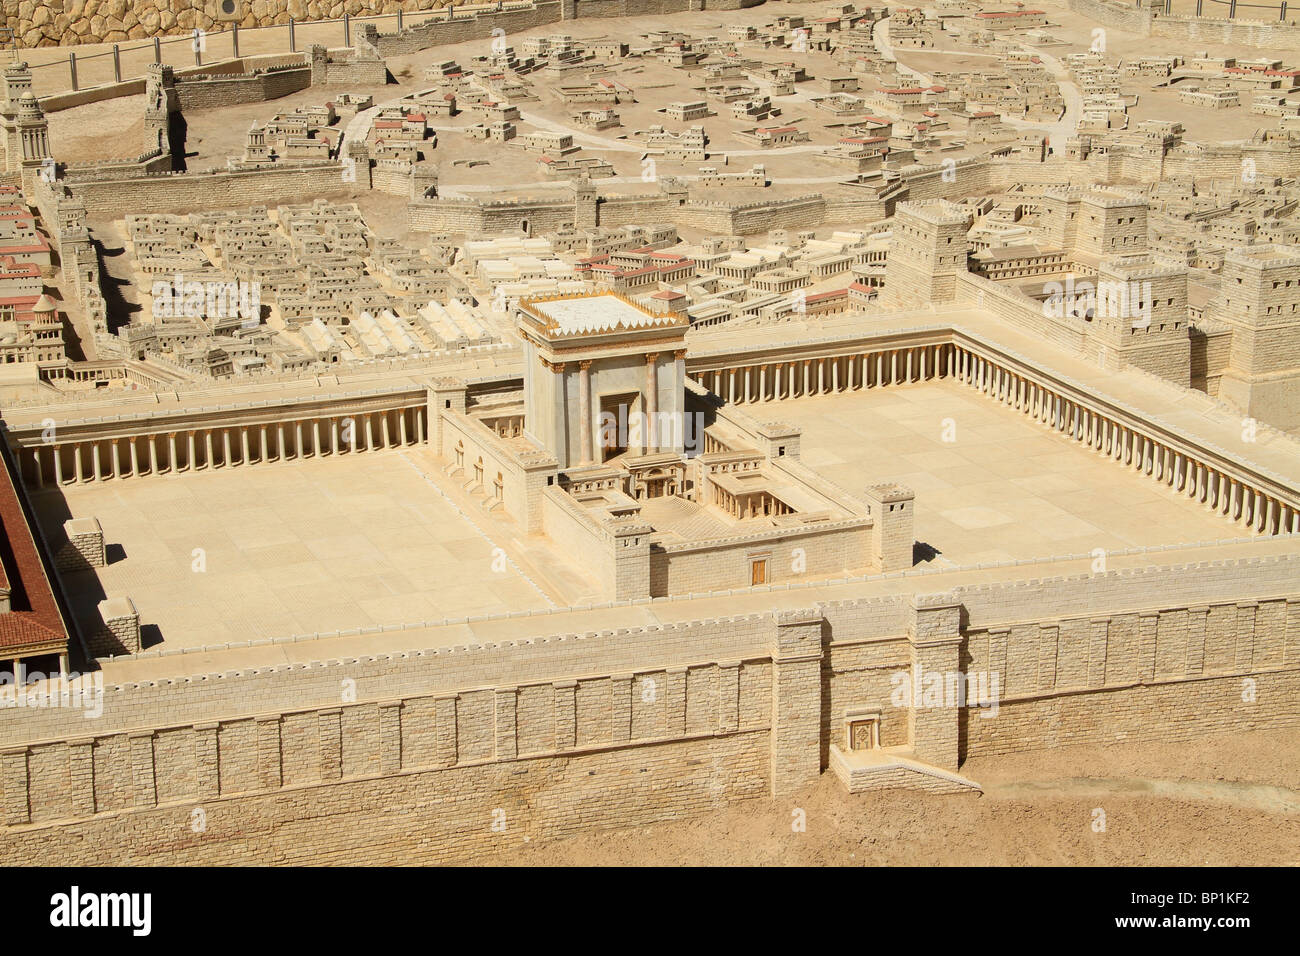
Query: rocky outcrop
x=65 y=22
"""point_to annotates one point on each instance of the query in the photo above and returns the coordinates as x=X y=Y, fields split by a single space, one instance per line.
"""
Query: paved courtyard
x=1003 y=488
x=318 y=545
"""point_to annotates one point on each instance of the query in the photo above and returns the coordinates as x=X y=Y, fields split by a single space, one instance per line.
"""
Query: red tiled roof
x=823 y=296
x=35 y=618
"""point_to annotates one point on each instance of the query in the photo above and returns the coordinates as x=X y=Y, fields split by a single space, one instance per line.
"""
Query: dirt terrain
x=1224 y=801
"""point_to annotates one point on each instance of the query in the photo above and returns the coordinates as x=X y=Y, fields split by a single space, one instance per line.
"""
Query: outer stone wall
x=442 y=754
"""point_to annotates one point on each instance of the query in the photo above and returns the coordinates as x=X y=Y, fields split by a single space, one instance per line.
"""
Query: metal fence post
x=157 y=50
x=72 y=68
x=234 y=38
x=1232 y=9
x=347 y=30
x=1282 y=15
x=399 y=20
x=293 y=46
x=117 y=64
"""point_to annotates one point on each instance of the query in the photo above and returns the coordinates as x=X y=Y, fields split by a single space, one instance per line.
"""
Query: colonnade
x=773 y=380
x=1236 y=498
x=1227 y=492
x=188 y=449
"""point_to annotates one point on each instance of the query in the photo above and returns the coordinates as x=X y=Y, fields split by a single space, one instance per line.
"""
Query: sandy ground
x=1226 y=801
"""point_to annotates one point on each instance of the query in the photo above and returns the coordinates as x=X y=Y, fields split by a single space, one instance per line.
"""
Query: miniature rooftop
x=586 y=314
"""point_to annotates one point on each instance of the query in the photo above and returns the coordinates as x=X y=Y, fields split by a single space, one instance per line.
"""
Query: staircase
x=894 y=768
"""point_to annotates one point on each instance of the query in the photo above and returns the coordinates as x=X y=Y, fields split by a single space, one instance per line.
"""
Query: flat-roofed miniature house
x=604 y=378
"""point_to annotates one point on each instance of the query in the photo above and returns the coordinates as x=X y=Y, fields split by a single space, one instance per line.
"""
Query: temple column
x=225 y=447
x=401 y=427
x=189 y=446
x=584 y=413
x=652 y=400
x=94 y=461
x=134 y=456
x=207 y=447
x=384 y=436
x=334 y=436
x=171 y=452
x=58 y=464
x=243 y=445
x=115 y=457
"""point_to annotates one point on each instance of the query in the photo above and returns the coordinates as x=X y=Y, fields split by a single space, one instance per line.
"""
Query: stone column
x=584 y=413
x=652 y=401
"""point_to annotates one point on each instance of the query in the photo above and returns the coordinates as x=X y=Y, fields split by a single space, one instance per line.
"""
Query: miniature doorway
x=864 y=732
x=620 y=424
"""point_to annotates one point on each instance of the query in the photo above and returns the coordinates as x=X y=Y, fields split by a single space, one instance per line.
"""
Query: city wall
x=208 y=91
x=289 y=763
x=1145 y=21
x=112 y=198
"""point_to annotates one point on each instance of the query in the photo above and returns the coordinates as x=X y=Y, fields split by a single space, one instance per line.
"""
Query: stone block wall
x=185 y=192
x=555 y=735
x=210 y=92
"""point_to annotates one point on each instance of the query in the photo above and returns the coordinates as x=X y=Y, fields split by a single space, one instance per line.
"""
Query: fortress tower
x=160 y=103
x=1140 y=317
x=586 y=201
x=1259 y=299
x=927 y=253
x=1110 y=224
x=33 y=132
x=17 y=84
